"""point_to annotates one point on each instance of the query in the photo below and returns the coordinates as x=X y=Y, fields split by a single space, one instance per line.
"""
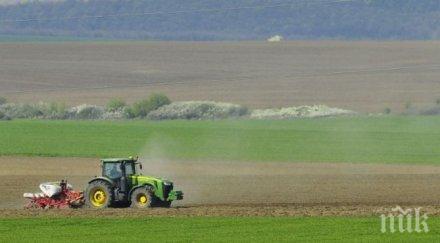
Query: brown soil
x=241 y=189
x=287 y=210
x=363 y=76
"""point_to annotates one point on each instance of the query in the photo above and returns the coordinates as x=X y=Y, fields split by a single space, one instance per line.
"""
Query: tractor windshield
x=112 y=170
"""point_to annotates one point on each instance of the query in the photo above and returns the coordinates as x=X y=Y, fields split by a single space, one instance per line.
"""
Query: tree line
x=362 y=19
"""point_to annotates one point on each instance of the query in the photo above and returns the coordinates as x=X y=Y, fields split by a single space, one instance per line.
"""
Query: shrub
x=86 y=112
x=197 y=110
x=55 y=110
x=115 y=105
x=158 y=100
x=430 y=111
x=3 y=100
x=143 y=107
x=128 y=113
x=114 y=115
x=3 y=116
x=22 y=110
x=90 y=112
x=387 y=111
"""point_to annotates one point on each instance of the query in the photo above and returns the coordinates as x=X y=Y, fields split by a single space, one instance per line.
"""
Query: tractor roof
x=116 y=160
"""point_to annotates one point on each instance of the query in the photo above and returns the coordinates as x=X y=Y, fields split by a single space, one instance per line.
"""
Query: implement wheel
x=98 y=195
x=143 y=197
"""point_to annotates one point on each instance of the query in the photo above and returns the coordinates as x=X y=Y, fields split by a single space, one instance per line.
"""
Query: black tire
x=143 y=197
x=92 y=198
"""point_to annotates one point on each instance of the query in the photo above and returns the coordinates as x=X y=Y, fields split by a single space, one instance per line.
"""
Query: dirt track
x=213 y=188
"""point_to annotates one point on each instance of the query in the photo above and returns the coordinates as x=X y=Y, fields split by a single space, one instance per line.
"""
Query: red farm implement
x=55 y=195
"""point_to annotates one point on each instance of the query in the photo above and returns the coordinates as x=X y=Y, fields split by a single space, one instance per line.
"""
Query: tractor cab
x=120 y=171
x=114 y=169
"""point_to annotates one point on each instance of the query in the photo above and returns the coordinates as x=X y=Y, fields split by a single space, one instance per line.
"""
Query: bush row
x=49 y=111
x=159 y=107
x=299 y=112
x=198 y=110
x=115 y=109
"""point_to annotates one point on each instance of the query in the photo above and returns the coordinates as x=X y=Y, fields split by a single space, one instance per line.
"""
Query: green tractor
x=122 y=185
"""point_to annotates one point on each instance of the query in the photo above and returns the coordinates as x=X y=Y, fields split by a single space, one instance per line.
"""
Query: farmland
x=361 y=76
x=399 y=140
x=244 y=180
x=362 y=158
x=326 y=177
x=203 y=229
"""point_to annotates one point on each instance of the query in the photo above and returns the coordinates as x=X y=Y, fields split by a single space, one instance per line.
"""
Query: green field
x=206 y=229
x=348 y=139
x=364 y=139
x=361 y=139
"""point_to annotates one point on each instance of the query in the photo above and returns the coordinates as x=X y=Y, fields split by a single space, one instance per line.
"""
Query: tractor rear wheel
x=143 y=197
x=99 y=195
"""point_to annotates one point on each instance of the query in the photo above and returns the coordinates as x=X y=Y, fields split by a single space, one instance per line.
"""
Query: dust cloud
x=210 y=182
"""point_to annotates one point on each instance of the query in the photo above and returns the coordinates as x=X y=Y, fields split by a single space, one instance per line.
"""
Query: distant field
x=206 y=229
x=361 y=139
x=36 y=38
x=362 y=76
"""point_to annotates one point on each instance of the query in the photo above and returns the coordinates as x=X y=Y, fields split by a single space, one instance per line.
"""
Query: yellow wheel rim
x=142 y=199
x=98 y=198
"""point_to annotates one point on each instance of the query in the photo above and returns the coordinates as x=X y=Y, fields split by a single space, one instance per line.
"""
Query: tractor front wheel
x=98 y=195
x=143 y=197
